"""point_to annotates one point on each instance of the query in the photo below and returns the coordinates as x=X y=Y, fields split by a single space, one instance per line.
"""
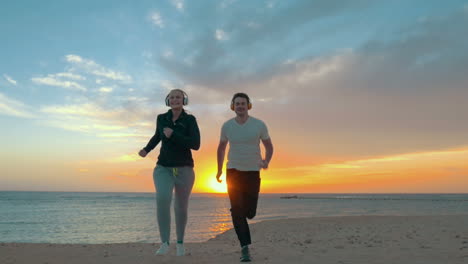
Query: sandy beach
x=339 y=240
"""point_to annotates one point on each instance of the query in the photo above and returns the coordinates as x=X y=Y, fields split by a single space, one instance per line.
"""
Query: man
x=244 y=134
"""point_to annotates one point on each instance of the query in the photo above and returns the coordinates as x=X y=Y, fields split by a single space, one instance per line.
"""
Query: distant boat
x=289 y=197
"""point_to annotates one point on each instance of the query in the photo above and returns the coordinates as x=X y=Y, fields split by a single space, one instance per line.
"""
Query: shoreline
x=336 y=239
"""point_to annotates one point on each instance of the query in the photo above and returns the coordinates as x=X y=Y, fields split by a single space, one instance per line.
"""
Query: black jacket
x=175 y=151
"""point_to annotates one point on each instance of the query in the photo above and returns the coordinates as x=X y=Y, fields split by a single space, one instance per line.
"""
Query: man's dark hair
x=242 y=95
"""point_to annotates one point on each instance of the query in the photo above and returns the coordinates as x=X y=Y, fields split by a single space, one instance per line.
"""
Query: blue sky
x=349 y=79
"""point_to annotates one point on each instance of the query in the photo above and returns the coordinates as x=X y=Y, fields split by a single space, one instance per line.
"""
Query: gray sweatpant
x=167 y=179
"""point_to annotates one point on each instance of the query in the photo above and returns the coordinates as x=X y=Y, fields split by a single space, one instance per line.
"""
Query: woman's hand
x=142 y=153
x=168 y=132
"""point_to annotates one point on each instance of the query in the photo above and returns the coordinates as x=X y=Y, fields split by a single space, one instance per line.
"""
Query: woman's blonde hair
x=184 y=94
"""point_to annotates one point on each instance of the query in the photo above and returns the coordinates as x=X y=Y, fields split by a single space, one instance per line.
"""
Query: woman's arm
x=154 y=140
x=191 y=141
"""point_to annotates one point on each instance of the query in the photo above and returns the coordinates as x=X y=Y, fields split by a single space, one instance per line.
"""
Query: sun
x=215 y=187
x=207 y=182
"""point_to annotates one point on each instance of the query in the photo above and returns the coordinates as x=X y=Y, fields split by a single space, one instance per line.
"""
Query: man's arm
x=220 y=157
x=268 y=152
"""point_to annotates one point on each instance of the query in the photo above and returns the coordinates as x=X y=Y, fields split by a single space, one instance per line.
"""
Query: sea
x=100 y=218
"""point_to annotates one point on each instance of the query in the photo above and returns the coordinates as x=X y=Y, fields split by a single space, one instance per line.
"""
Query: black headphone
x=185 y=101
x=241 y=95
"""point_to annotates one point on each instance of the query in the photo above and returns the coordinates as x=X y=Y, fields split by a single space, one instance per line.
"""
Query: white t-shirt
x=244 y=143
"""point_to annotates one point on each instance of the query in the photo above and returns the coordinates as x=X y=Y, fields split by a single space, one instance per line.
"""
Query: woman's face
x=176 y=100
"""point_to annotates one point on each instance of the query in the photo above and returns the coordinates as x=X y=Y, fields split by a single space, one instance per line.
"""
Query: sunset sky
x=359 y=96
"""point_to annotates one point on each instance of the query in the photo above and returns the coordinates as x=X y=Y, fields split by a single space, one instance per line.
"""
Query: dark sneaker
x=245 y=254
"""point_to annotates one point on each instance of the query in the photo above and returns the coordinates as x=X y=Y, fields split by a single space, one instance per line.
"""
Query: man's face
x=241 y=106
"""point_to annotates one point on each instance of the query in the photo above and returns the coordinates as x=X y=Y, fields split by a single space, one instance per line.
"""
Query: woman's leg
x=164 y=184
x=184 y=179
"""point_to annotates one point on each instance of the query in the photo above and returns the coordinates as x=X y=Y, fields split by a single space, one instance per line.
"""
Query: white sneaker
x=180 y=250
x=163 y=249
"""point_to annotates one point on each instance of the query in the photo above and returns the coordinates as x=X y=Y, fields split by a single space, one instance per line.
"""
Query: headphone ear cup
x=167 y=101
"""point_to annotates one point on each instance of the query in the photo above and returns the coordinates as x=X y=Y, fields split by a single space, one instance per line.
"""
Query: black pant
x=243 y=189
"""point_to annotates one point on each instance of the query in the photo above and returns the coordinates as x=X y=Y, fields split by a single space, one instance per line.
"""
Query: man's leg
x=251 y=195
x=235 y=184
x=251 y=187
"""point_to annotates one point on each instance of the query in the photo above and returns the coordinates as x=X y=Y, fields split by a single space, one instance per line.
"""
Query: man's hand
x=142 y=153
x=263 y=164
x=218 y=175
x=168 y=132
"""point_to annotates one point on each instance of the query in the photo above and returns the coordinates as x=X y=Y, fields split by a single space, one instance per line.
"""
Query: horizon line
x=227 y=193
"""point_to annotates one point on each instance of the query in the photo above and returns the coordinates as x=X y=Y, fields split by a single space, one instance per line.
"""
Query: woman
x=178 y=133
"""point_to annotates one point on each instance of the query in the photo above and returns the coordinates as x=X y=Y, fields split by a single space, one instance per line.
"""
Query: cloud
x=14 y=108
x=51 y=81
x=179 y=4
x=381 y=98
x=270 y=4
x=167 y=54
x=91 y=67
x=61 y=80
x=105 y=108
x=226 y=3
x=122 y=135
x=286 y=19
x=394 y=94
x=106 y=89
x=220 y=35
x=87 y=110
x=147 y=55
x=241 y=47
x=79 y=60
x=111 y=75
x=111 y=109
x=156 y=19
x=87 y=118
x=353 y=104
x=9 y=79
x=113 y=123
x=125 y=158
x=391 y=167
x=70 y=76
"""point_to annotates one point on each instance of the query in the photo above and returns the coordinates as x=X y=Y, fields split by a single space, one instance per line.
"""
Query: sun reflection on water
x=220 y=227
x=221 y=223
